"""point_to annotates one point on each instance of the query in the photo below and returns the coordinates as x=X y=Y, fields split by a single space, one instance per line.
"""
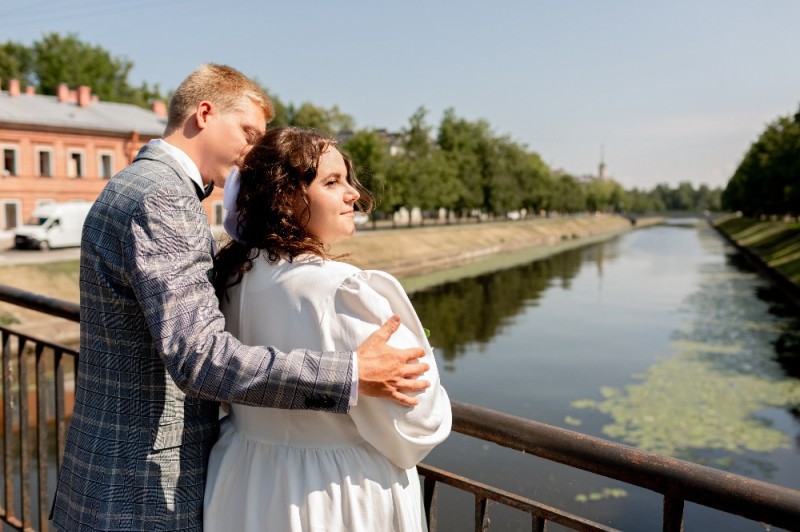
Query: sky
x=663 y=92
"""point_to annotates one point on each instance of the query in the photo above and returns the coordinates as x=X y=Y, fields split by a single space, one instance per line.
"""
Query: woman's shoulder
x=311 y=272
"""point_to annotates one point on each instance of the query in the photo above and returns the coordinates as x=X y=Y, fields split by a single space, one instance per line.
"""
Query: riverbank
x=771 y=246
x=419 y=257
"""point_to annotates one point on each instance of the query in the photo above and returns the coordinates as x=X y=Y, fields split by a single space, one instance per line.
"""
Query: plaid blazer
x=155 y=360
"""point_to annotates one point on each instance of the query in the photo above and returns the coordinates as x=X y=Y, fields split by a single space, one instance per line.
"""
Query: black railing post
x=24 y=436
x=61 y=426
x=673 y=514
x=481 y=514
x=8 y=428
x=430 y=497
x=41 y=436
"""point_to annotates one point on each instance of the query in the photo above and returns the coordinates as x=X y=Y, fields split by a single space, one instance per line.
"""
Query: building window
x=44 y=162
x=75 y=165
x=10 y=161
x=218 y=212
x=10 y=214
x=105 y=164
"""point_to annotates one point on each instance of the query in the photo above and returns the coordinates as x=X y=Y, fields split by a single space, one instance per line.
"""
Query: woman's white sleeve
x=403 y=434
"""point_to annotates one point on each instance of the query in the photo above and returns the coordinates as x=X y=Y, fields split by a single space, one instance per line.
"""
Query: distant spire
x=601 y=169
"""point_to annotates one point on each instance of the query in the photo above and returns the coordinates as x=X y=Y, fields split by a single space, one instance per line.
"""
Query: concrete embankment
x=424 y=256
x=771 y=246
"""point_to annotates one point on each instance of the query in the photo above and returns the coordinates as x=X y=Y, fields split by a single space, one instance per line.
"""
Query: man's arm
x=168 y=263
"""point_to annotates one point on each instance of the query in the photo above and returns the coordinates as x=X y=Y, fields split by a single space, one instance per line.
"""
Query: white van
x=55 y=225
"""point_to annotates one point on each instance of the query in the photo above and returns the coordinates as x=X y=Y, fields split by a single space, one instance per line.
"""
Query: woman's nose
x=352 y=193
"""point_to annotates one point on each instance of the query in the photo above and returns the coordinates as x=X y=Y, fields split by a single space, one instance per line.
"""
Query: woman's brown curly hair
x=274 y=177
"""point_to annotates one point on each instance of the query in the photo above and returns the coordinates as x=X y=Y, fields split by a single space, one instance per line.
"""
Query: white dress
x=291 y=470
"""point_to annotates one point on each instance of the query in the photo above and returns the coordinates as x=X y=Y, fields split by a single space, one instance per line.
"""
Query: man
x=154 y=357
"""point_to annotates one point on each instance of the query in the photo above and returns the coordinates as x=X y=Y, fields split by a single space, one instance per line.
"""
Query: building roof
x=41 y=110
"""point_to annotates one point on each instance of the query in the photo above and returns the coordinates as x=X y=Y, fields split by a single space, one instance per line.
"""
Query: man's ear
x=204 y=110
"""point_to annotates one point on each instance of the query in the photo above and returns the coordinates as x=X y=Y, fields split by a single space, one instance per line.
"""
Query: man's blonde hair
x=223 y=86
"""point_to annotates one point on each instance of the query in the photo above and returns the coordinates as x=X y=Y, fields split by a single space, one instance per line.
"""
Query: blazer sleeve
x=404 y=435
x=168 y=259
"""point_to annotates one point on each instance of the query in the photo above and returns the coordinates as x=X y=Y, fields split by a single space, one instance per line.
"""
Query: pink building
x=65 y=147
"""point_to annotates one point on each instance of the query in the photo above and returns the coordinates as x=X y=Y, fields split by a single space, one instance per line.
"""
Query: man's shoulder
x=149 y=176
x=151 y=163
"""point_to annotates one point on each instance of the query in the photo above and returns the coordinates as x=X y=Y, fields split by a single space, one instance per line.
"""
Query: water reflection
x=715 y=398
x=471 y=312
x=662 y=339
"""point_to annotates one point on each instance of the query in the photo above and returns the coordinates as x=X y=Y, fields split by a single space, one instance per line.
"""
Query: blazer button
x=321 y=401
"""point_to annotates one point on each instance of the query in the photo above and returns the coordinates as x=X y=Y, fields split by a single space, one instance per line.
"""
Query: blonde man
x=155 y=359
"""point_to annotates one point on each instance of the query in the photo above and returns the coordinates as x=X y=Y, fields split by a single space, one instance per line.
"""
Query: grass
x=776 y=242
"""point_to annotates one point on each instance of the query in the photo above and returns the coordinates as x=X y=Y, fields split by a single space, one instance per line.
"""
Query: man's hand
x=384 y=371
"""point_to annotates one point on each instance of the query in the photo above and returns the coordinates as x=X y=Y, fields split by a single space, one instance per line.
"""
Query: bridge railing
x=676 y=480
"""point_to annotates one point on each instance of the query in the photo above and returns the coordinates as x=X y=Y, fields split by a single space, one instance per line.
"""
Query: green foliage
x=463 y=166
x=664 y=198
x=56 y=59
x=767 y=180
x=16 y=62
x=308 y=115
x=371 y=151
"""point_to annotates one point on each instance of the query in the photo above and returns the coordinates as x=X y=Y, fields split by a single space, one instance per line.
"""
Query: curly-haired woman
x=314 y=471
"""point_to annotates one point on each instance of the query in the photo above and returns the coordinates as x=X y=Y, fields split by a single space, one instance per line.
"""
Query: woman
x=295 y=470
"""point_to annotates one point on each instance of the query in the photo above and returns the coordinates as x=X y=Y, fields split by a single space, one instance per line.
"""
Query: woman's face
x=331 y=198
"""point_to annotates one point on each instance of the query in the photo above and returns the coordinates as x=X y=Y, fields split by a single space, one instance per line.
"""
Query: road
x=13 y=257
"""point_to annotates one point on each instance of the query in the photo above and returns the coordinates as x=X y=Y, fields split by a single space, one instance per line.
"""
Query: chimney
x=84 y=95
x=159 y=108
x=13 y=87
x=30 y=90
x=63 y=92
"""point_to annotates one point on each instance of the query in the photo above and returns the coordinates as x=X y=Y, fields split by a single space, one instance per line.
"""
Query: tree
x=16 y=62
x=767 y=181
x=281 y=117
x=69 y=60
x=568 y=195
x=535 y=184
x=331 y=120
x=56 y=59
x=465 y=145
x=369 y=153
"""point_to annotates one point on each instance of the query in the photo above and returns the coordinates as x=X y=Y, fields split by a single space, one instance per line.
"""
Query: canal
x=661 y=338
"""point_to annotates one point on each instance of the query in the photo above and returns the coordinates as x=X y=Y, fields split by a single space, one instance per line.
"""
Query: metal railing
x=676 y=480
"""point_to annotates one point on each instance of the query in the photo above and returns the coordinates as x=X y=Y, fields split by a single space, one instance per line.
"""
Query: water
x=661 y=339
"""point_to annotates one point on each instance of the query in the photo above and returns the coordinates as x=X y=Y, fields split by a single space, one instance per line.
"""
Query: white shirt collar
x=185 y=162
